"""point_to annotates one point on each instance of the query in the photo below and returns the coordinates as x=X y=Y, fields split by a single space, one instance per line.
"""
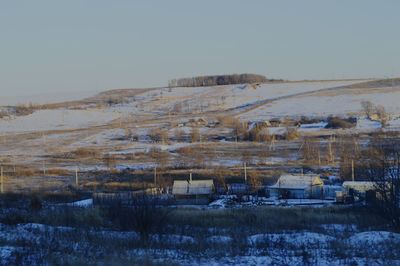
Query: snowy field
x=159 y=101
x=342 y=103
x=235 y=96
x=59 y=119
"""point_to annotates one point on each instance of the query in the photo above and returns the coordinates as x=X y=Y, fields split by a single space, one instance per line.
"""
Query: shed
x=193 y=191
x=237 y=188
x=297 y=187
x=359 y=186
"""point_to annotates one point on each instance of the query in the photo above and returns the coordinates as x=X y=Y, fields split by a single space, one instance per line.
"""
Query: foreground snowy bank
x=335 y=244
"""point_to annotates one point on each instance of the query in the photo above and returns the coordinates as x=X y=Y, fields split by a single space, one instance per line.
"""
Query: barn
x=193 y=191
x=297 y=187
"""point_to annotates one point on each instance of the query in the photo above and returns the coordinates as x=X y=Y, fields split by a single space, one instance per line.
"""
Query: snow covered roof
x=297 y=181
x=194 y=187
x=361 y=186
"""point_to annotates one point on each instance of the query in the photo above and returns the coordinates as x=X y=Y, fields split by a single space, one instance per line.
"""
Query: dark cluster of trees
x=217 y=80
x=380 y=163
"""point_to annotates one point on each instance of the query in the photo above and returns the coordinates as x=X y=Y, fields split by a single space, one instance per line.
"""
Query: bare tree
x=221 y=174
x=382 y=115
x=380 y=163
x=179 y=134
x=349 y=156
x=291 y=134
x=310 y=150
x=255 y=181
x=368 y=108
x=158 y=135
x=160 y=157
x=144 y=213
x=195 y=134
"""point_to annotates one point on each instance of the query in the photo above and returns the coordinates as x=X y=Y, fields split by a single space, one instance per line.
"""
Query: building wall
x=316 y=192
x=292 y=193
x=192 y=199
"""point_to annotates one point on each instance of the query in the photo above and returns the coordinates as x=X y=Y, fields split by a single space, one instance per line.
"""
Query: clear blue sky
x=100 y=44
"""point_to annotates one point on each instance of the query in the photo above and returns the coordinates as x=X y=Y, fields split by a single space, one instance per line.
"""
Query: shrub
x=291 y=134
x=86 y=152
x=22 y=110
x=36 y=203
x=337 y=122
x=158 y=135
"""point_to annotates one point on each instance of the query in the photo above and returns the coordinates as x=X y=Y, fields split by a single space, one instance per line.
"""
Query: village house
x=193 y=191
x=297 y=187
x=357 y=191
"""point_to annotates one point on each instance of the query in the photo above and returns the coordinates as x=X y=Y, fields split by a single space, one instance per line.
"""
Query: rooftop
x=297 y=181
x=194 y=187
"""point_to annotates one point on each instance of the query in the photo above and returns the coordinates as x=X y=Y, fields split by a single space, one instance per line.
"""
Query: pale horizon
x=85 y=46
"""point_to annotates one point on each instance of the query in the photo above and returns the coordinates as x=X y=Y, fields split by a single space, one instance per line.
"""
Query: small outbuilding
x=297 y=187
x=359 y=186
x=193 y=191
x=237 y=188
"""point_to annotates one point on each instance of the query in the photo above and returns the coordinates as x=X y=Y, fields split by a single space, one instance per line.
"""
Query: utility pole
x=352 y=170
x=44 y=168
x=319 y=157
x=272 y=145
x=190 y=176
x=76 y=176
x=245 y=172
x=2 y=181
x=155 y=176
x=44 y=139
x=331 y=157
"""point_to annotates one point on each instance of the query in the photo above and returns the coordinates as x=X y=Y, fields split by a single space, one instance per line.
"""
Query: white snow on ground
x=100 y=138
x=316 y=106
x=197 y=99
x=394 y=124
x=146 y=147
x=219 y=239
x=284 y=248
x=163 y=101
x=312 y=127
x=293 y=202
x=176 y=239
x=82 y=203
x=295 y=239
x=374 y=237
x=335 y=228
x=230 y=96
x=42 y=227
x=56 y=120
x=6 y=253
x=364 y=123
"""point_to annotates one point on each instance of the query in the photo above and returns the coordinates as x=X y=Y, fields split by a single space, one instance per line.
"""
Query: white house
x=297 y=187
x=193 y=191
